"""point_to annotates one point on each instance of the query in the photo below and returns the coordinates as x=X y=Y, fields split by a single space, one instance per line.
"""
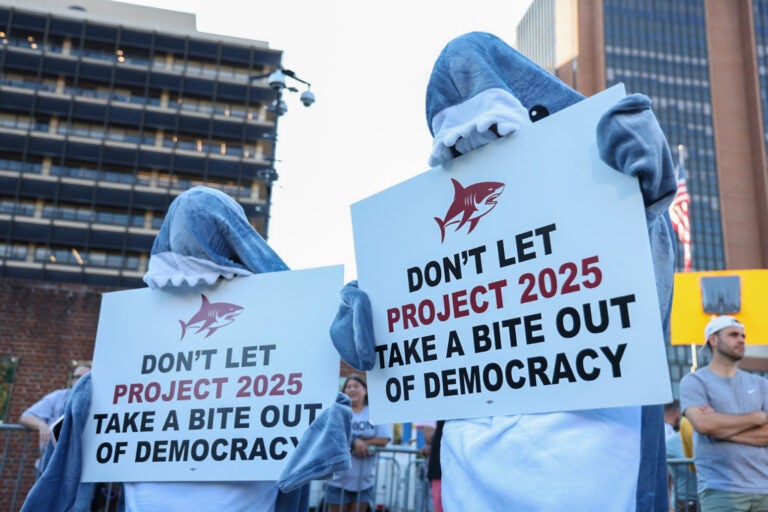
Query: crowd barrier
x=17 y=465
x=682 y=495
x=17 y=471
x=400 y=485
x=400 y=479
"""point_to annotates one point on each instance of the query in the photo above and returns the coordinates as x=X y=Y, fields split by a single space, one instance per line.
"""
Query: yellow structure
x=689 y=319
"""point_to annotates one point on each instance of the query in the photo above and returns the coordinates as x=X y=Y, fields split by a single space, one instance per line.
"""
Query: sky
x=368 y=63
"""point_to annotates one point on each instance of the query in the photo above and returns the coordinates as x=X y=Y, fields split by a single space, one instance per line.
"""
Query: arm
x=43 y=412
x=360 y=446
x=630 y=140
x=352 y=329
x=35 y=423
x=323 y=448
x=381 y=436
x=428 y=431
x=757 y=436
x=707 y=421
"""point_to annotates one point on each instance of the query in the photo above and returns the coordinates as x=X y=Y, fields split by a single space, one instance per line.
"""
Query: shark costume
x=613 y=460
x=205 y=236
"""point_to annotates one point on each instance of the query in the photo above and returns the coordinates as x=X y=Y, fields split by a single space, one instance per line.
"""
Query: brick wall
x=46 y=326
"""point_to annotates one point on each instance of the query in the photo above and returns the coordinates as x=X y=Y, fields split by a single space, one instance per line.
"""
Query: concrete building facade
x=107 y=112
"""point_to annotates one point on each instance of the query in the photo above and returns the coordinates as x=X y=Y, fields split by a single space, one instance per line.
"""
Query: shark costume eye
x=537 y=113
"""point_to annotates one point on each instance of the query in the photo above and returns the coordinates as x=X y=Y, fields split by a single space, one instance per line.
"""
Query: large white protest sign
x=515 y=279
x=213 y=383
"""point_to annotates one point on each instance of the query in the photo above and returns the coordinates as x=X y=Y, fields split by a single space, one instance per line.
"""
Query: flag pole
x=681 y=167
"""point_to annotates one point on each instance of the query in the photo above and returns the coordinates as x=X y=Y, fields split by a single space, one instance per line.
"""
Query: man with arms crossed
x=727 y=408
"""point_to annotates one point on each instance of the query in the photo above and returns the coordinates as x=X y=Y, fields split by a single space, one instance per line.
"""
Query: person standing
x=671 y=417
x=45 y=412
x=727 y=408
x=205 y=239
x=482 y=89
x=353 y=490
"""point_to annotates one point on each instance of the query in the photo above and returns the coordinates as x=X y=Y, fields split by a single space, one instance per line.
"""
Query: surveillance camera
x=277 y=80
x=307 y=98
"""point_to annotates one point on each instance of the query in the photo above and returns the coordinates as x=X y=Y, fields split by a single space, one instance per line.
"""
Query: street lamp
x=278 y=82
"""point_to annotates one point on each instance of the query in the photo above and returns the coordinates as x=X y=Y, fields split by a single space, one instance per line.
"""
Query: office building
x=703 y=64
x=107 y=112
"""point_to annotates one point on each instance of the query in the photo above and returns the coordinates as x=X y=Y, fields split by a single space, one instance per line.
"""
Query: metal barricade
x=17 y=471
x=682 y=496
x=400 y=483
x=17 y=465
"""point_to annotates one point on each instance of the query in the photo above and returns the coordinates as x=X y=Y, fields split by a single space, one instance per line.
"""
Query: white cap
x=718 y=323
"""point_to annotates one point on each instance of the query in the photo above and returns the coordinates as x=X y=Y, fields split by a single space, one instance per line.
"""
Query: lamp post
x=278 y=82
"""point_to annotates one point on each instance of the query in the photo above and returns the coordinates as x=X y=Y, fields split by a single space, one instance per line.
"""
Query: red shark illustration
x=211 y=316
x=469 y=204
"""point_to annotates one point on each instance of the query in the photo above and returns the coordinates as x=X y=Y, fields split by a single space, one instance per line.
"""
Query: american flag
x=678 y=213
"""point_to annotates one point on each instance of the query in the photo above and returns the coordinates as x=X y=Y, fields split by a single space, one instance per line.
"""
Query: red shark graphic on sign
x=211 y=316
x=469 y=204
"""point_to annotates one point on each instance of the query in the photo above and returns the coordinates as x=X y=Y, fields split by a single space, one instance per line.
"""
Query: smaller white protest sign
x=211 y=384
x=515 y=279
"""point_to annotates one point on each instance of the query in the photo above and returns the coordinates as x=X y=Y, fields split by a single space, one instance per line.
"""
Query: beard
x=732 y=353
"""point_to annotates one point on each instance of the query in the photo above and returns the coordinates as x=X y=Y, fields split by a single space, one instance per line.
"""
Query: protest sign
x=514 y=279
x=213 y=383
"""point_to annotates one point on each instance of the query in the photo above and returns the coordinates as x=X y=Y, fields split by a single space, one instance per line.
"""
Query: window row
x=144 y=177
x=166 y=62
x=72 y=256
x=98 y=91
x=183 y=142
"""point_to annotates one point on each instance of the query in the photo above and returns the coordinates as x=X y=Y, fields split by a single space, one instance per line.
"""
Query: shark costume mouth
x=489 y=115
x=479 y=82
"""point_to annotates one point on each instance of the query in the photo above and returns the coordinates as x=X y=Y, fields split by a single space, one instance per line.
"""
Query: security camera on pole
x=278 y=82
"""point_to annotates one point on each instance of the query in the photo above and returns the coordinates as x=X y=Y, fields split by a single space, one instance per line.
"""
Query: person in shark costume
x=205 y=237
x=612 y=460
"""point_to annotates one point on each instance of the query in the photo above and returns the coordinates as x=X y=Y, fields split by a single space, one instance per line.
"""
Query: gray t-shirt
x=724 y=465
x=362 y=471
x=50 y=407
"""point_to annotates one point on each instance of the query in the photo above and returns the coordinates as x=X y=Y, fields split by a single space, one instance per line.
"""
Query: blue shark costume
x=205 y=236
x=612 y=460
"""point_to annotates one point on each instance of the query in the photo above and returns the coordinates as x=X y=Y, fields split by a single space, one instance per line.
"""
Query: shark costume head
x=205 y=236
x=481 y=89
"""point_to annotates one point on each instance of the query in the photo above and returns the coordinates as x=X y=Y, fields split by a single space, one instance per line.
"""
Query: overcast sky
x=368 y=63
